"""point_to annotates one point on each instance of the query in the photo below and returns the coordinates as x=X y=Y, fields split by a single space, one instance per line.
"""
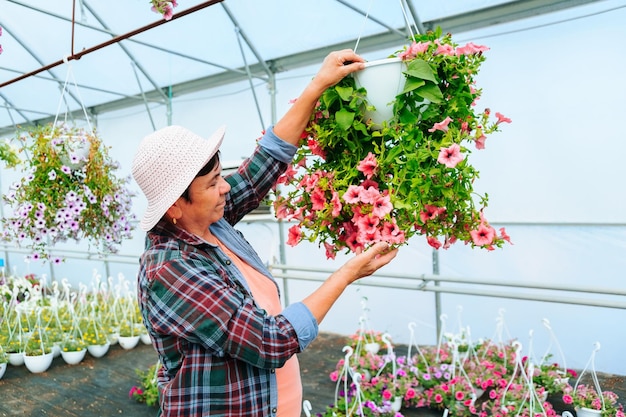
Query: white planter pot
x=16 y=359
x=56 y=350
x=396 y=404
x=38 y=364
x=128 y=342
x=383 y=79
x=3 y=368
x=73 y=357
x=145 y=339
x=372 y=348
x=98 y=351
x=78 y=149
x=113 y=338
x=587 y=412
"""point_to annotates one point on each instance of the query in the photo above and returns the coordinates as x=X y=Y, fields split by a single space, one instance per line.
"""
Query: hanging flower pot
x=98 y=351
x=145 y=339
x=73 y=357
x=383 y=79
x=587 y=412
x=3 y=368
x=16 y=358
x=386 y=171
x=372 y=347
x=38 y=363
x=69 y=191
x=128 y=342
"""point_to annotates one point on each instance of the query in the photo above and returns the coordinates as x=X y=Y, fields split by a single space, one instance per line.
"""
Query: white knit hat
x=166 y=163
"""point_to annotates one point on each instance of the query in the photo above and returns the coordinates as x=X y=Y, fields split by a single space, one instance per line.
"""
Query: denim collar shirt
x=218 y=349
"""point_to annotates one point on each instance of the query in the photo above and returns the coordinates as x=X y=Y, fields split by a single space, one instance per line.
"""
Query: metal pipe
x=112 y=41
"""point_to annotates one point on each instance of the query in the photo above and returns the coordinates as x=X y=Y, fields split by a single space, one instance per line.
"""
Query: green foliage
x=148 y=391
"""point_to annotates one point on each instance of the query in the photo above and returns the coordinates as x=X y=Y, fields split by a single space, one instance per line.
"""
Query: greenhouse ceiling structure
x=123 y=54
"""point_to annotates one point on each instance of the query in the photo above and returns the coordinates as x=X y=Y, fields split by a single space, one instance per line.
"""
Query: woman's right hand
x=366 y=263
x=361 y=265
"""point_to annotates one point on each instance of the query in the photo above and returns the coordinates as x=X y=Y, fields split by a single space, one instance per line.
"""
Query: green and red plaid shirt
x=219 y=350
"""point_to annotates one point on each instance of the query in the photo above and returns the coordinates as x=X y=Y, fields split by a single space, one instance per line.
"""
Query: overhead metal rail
x=392 y=37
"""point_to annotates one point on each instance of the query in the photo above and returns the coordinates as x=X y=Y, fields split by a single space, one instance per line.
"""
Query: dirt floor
x=99 y=387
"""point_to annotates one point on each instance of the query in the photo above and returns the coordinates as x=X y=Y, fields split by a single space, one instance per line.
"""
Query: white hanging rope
x=69 y=74
x=367 y=14
x=594 y=376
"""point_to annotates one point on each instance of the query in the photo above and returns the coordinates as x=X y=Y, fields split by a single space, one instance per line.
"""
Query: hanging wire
x=367 y=14
x=408 y=22
x=70 y=73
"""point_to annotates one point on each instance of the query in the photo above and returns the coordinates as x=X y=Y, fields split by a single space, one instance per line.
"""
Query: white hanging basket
x=128 y=342
x=39 y=363
x=98 y=351
x=16 y=358
x=383 y=79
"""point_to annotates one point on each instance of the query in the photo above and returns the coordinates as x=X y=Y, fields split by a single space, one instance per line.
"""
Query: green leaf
x=411 y=84
x=408 y=118
x=344 y=92
x=344 y=119
x=421 y=69
x=430 y=92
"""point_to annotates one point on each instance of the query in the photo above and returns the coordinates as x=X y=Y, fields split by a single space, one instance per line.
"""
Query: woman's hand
x=366 y=263
x=362 y=265
x=336 y=66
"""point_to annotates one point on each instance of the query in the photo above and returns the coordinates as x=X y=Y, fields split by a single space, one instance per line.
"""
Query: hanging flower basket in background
x=356 y=181
x=69 y=191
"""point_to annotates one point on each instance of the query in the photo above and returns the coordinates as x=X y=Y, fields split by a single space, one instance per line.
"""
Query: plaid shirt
x=218 y=348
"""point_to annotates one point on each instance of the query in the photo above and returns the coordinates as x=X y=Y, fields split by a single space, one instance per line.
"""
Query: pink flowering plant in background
x=69 y=191
x=586 y=396
x=354 y=183
x=164 y=7
x=478 y=379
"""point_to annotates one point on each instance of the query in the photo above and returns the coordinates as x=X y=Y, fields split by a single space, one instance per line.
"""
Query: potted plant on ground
x=355 y=182
x=38 y=353
x=4 y=360
x=69 y=191
x=73 y=349
x=148 y=391
x=588 y=402
x=95 y=337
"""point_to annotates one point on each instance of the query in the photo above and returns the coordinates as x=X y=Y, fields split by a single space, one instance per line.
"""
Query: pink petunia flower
x=368 y=165
x=484 y=235
x=432 y=241
x=502 y=118
x=352 y=194
x=443 y=125
x=470 y=49
x=451 y=156
x=318 y=199
x=295 y=236
x=382 y=206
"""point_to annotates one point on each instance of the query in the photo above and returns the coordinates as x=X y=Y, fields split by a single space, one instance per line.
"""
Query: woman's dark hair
x=205 y=170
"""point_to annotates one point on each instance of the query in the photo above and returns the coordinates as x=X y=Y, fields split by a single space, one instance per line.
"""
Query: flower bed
x=483 y=379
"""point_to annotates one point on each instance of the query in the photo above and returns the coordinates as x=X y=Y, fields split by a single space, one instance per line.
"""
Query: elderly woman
x=212 y=308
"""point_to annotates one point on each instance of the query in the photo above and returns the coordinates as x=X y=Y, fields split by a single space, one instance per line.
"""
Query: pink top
x=265 y=294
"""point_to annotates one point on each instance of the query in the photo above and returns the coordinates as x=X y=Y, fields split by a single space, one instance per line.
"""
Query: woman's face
x=208 y=198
